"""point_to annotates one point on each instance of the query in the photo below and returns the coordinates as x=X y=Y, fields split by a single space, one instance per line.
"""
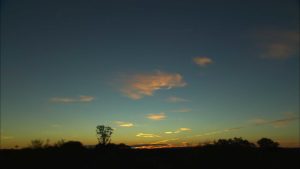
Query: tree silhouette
x=235 y=142
x=267 y=143
x=37 y=143
x=104 y=134
x=59 y=143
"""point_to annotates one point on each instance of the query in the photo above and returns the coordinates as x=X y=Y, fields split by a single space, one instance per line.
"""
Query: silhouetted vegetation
x=59 y=143
x=231 y=143
x=72 y=146
x=37 y=144
x=104 y=134
x=267 y=143
x=223 y=153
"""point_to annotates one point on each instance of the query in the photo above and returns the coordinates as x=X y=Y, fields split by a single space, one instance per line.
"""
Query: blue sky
x=193 y=69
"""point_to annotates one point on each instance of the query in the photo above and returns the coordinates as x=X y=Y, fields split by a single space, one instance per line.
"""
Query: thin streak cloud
x=178 y=131
x=275 y=123
x=203 y=61
x=7 y=137
x=165 y=141
x=175 y=99
x=147 y=135
x=80 y=99
x=158 y=116
x=278 y=44
x=124 y=124
x=184 y=110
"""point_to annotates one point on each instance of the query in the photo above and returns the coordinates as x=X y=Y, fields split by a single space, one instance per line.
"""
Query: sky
x=166 y=72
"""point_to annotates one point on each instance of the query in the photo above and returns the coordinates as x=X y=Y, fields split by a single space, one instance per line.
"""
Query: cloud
x=81 y=99
x=62 y=100
x=255 y=122
x=283 y=122
x=7 y=137
x=234 y=128
x=202 y=61
x=174 y=99
x=289 y=114
x=86 y=98
x=218 y=131
x=278 y=44
x=158 y=116
x=275 y=123
x=124 y=124
x=147 y=135
x=151 y=146
x=178 y=131
x=184 y=110
x=169 y=132
x=185 y=144
x=164 y=141
x=198 y=135
x=185 y=129
x=259 y=121
x=141 y=85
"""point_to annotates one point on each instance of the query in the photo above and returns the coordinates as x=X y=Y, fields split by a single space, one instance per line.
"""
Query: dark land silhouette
x=223 y=153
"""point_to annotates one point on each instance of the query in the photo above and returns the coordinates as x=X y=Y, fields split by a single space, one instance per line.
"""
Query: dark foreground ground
x=179 y=158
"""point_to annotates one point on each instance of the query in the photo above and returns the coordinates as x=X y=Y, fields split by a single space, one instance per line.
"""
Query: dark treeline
x=223 y=153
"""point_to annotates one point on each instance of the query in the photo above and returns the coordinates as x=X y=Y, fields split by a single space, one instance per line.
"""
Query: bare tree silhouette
x=104 y=134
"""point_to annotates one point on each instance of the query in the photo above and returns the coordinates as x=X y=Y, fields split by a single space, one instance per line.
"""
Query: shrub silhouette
x=72 y=146
x=267 y=143
x=123 y=146
x=235 y=142
x=104 y=134
x=111 y=146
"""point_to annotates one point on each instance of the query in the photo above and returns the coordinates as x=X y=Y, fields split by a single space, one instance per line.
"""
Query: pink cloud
x=141 y=85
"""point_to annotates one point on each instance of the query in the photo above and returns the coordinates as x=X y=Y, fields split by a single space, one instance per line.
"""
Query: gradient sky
x=171 y=72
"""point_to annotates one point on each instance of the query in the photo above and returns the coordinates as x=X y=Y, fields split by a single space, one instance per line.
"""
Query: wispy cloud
x=278 y=44
x=165 y=141
x=151 y=146
x=141 y=85
x=169 y=132
x=203 y=61
x=255 y=122
x=174 y=99
x=198 y=135
x=185 y=129
x=275 y=123
x=233 y=128
x=258 y=121
x=218 y=131
x=147 y=135
x=184 y=110
x=86 y=98
x=282 y=122
x=158 y=116
x=178 y=131
x=124 y=124
x=7 y=137
x=80 y=99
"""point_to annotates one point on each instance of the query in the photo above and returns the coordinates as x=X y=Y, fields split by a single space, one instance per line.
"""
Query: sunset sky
x=159 y=72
